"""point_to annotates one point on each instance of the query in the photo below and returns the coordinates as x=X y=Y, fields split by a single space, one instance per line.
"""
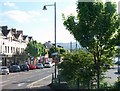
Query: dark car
x=24 y=67
x=15 y=68
x=39 y=66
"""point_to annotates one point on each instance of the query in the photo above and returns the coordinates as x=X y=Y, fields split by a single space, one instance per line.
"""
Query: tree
x=35 y=49
x=78 y=66
x=96 y=29
x=52 y=50
x=62 y=51
x=59 y=50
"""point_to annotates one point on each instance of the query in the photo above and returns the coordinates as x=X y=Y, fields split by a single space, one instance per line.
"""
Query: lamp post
x=44 y=8
x=3 y=56
x=118 y=62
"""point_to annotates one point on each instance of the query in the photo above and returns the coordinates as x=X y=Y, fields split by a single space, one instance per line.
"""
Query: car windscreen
x=4 y=68
x=15 y=66
x=39 y=64
x=46 y=63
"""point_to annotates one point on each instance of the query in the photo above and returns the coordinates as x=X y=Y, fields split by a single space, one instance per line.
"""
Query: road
x=23 y=80
x=111 y=75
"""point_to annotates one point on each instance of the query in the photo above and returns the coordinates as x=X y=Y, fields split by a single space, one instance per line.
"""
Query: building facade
x=12 y=42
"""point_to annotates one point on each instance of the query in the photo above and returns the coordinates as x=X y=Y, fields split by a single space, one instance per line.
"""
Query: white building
x=12 y=41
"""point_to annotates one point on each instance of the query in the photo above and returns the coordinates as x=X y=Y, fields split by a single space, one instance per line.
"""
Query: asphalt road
x=112 y=75
x=23 y=80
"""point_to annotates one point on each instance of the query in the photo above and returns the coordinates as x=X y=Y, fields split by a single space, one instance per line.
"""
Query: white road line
x=12 y=77
x=4 y=81
x=38 y=81
x=20 y=84
x=3 y=85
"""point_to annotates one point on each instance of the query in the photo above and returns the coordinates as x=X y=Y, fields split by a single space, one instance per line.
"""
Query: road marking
x=20 y=84
x=12 y=77
x=4 y=81
x=38 y=81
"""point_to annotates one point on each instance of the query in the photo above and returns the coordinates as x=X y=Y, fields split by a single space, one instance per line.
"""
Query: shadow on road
x=117 y=73
x=42 y=88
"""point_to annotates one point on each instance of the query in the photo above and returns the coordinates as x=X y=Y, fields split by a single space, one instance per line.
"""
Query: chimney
x=4 y=27
x=20 y=32
x=13 y=30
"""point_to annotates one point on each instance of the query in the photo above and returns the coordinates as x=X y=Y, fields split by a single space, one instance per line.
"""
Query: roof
x=24 y=37
x=5 y=32
x=16 y=35
x=30 y=37
x=1 y=34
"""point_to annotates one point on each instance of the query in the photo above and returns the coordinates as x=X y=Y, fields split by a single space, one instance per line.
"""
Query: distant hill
x=68 y=45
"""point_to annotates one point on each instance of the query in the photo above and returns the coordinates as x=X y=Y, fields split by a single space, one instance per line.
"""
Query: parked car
x=48 y=65
x=24 y=67
x=107 y=66
x=39 y=66
x=117 y=63
x=15 y=68
x=32 y=67
x=119 y=70
x=4 y=70
x=53 y=63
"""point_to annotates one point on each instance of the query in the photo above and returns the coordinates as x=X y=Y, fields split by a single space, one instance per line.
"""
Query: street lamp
x=3 y=61
x=44 y=8
x=118 y=62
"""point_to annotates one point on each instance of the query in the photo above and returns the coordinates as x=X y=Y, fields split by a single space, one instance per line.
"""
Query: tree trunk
x=78 y=83
x=98 y=76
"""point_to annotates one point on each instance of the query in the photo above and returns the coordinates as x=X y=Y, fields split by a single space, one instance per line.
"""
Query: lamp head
x=44 y=8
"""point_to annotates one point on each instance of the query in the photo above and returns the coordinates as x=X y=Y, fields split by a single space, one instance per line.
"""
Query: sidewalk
x=42 y=83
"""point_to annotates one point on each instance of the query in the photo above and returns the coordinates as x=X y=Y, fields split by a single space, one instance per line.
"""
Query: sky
x=27 y=15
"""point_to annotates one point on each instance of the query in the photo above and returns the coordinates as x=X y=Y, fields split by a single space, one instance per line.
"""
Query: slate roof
x=1 y=34
x=16 y=36
x=24 y=37
x=5 y=32
x=30 y=37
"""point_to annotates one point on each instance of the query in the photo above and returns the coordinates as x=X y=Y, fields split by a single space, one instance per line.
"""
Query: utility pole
x=71 y=46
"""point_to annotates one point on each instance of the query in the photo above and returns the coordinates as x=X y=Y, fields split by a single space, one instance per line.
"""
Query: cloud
x=34 y=13
x=69 y=10
x=63 y=35
x=21 y=16
x=9 y=4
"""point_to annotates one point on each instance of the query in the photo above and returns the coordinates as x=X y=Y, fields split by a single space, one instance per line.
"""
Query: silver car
x=48 y=65
x=4 y=70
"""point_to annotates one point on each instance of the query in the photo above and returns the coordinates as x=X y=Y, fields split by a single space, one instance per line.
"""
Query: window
x=5 y=49
x=0 y=49
x=21 y=50
x=8 y=49
x=11 y=39
x=11 y=50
